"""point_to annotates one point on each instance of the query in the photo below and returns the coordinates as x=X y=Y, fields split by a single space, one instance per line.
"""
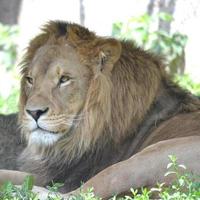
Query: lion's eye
x=29 y=80
x=64 y=80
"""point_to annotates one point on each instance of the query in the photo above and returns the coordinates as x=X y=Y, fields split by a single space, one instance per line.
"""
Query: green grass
x=186 y=186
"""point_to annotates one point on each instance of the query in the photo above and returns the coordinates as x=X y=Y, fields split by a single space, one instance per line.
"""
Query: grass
x=186 y=186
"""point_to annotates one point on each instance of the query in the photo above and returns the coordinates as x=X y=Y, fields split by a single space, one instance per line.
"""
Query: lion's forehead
x=56 y=59
x=54 y=50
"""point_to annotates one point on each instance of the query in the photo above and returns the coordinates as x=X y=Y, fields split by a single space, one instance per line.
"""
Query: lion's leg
x=146 y=167
x=16 y=177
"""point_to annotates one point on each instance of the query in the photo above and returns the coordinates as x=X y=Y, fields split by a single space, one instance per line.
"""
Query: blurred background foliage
x=9 y=78
x=186 y=82
x=144 y=31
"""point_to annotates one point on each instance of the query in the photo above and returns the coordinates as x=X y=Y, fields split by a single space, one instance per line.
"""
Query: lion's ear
x=108 y=53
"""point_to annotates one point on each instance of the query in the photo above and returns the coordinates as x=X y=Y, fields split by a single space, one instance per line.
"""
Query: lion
x=100 y=110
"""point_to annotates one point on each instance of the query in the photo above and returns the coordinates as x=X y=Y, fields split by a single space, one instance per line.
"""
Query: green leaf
x=169 y=173
x=7 y=186
x=28 y=183
x=181 y=182
x=182 y=166
x=169 y=165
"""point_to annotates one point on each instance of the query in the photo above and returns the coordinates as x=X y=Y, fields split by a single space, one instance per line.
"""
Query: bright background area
x=99 y=16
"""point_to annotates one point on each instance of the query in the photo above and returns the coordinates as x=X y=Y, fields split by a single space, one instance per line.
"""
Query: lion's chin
x=42 y=137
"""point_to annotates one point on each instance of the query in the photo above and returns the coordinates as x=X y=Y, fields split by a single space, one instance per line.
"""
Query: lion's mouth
x=45 y=130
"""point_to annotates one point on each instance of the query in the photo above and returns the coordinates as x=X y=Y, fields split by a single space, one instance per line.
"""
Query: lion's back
x=181 y=125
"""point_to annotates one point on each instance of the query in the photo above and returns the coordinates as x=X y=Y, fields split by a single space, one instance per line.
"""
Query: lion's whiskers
x=54 y=122
x=74 y=117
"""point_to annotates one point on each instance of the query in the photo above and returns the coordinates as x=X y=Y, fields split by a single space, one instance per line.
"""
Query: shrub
x=9 y=85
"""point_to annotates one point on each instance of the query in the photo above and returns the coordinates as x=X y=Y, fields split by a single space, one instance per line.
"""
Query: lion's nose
x=37 y=113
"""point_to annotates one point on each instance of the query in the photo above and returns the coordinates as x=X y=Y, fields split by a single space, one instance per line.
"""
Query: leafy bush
x=24 y=192
x=8 y=45
x=143 y=30
x=9 y=81
x=184 y=187
x=9 y=104
x=10 y=191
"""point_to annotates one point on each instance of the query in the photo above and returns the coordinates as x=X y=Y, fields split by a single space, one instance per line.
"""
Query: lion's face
x=66 y=87
x=56 y=85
